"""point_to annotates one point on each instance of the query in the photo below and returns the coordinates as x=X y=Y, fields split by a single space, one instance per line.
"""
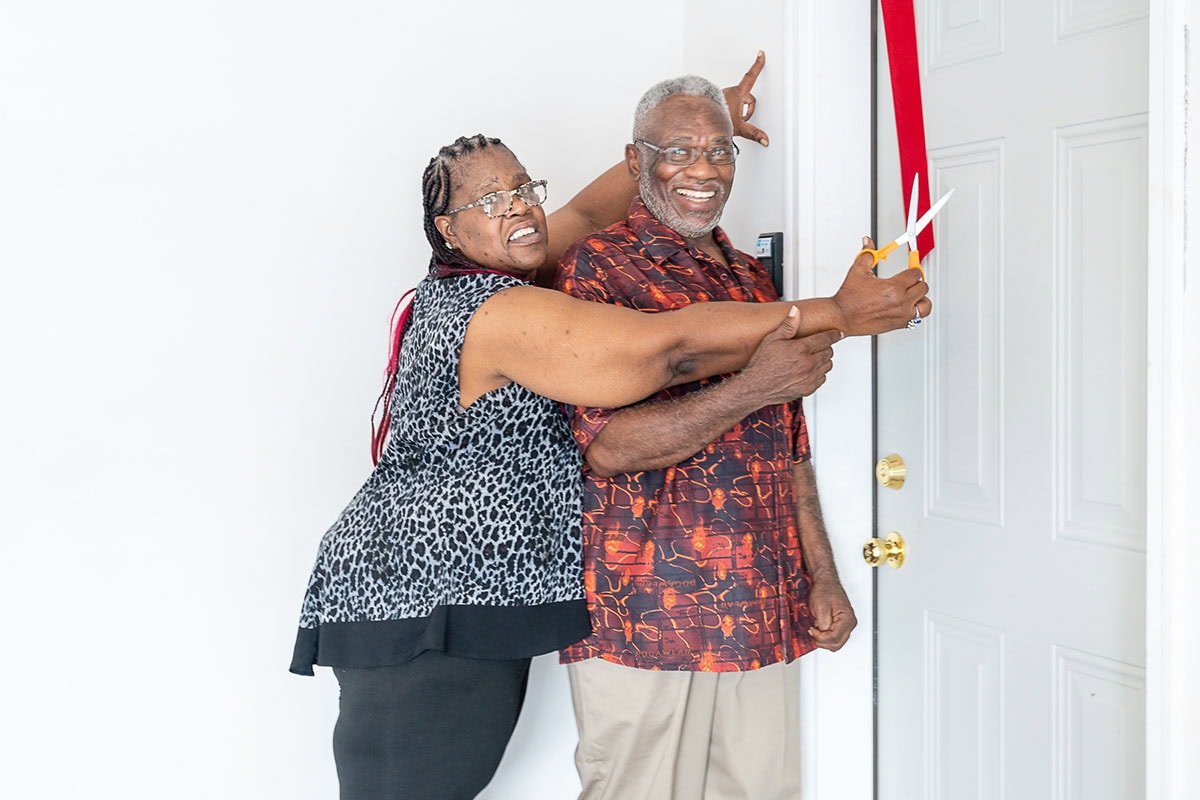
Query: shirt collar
x=661 y=242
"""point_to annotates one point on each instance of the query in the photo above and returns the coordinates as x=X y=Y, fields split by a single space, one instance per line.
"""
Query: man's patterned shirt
x=698 y=566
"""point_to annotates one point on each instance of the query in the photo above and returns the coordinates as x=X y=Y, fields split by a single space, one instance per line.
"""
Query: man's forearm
x=814 y=541
x=833 y=616
x=657 y=435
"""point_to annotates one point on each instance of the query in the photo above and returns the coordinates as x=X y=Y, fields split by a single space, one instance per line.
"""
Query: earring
x=448 y=245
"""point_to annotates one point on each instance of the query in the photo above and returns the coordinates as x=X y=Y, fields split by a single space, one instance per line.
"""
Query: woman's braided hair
x=435 y=190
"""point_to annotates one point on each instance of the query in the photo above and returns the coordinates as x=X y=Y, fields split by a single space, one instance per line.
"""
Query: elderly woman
x=460 y=557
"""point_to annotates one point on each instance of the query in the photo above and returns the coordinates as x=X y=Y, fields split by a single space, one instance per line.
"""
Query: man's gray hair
x=687 y=84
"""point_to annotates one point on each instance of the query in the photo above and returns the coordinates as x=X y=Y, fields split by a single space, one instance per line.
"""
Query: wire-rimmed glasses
x=498 y=203
x=719 y=155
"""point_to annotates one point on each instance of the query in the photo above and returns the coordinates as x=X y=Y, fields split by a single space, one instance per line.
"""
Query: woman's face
x=514 y=242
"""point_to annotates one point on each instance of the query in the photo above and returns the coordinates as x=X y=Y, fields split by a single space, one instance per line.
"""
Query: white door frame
x=1173 y=433
x=828 y=200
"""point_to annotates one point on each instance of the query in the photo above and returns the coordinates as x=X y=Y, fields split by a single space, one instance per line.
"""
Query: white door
x=1011 y=642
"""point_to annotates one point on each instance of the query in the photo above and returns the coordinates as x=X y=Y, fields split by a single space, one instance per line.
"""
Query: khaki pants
x=649 y=735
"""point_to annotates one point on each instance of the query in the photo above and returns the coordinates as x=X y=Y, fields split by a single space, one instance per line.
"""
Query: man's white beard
x=667 y=215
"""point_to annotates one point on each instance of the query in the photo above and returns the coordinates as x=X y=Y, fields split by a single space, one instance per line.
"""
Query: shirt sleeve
x=580 y=273
x=801 y=451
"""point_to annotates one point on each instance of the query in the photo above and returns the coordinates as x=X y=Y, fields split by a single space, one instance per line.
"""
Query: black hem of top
x=487 y=632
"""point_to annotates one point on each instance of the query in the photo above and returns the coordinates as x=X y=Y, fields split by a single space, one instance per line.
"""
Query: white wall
x=206 y=213
x=722 y=52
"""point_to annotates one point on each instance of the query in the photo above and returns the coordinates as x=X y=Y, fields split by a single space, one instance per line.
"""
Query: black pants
x=432 y=729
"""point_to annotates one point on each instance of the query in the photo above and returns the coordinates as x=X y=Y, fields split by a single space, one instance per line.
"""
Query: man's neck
x=708 y=245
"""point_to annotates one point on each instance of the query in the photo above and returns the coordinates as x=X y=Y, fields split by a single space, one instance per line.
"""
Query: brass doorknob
x=890 y=471
x=889 y=549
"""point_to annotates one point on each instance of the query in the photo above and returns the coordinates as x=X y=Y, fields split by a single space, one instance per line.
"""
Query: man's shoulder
x=616 y=241
x=618 y=235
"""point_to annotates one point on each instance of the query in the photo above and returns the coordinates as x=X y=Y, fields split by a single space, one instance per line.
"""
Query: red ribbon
x=900 y=28
x=396 y=327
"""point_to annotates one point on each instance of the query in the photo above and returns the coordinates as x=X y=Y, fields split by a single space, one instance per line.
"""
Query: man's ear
x=445 y=227
x=633 y=161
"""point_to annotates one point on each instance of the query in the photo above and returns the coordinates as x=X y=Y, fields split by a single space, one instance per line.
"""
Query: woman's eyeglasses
x=497 y=204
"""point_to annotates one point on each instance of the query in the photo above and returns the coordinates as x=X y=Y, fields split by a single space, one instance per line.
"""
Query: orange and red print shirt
x=698 y=566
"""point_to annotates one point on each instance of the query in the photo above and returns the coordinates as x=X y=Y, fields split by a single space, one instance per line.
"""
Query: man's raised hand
x=741 y=102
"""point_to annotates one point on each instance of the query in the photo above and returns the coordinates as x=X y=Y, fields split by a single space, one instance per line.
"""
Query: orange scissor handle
x=879 y=255
x=914 y=256
x=914 y=262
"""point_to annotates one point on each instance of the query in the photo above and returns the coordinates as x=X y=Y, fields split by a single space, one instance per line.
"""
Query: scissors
x=915 y=226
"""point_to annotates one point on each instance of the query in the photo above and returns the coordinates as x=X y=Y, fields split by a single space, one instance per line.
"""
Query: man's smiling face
x=688 y=199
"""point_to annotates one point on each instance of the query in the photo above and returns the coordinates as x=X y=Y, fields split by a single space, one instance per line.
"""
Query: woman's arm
x=599 y=204
x=606 y=199
x=594 y=354
x=658 y=434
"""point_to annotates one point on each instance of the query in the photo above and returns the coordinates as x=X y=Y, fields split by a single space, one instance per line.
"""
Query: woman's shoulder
x=468 y=284
x=460 y=296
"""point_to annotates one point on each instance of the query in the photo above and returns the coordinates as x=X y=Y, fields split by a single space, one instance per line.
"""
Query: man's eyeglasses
x=718 y=155
x=497 y=204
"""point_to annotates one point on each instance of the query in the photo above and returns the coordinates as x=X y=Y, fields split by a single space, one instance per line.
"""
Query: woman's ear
x=445 y=226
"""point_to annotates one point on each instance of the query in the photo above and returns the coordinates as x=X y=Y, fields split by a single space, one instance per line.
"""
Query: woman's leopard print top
x=478 y=506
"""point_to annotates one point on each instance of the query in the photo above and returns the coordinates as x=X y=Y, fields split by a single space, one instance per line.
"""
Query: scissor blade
x=910 y=232
x=911 y=229
x=928 y=215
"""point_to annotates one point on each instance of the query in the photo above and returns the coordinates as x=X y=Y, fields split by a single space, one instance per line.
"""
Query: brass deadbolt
x=890 y=471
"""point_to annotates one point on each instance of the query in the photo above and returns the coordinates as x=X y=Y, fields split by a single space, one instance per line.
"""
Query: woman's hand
x=872 y=305
x=741 y=103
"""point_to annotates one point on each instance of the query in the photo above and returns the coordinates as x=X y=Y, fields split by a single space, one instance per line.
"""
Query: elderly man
x=707 y=566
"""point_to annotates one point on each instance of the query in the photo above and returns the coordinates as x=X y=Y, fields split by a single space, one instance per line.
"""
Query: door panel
x=1011 y=643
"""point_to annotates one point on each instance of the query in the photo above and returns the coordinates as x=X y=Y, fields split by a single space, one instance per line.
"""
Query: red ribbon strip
x=379 y=431
x=900 y=28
